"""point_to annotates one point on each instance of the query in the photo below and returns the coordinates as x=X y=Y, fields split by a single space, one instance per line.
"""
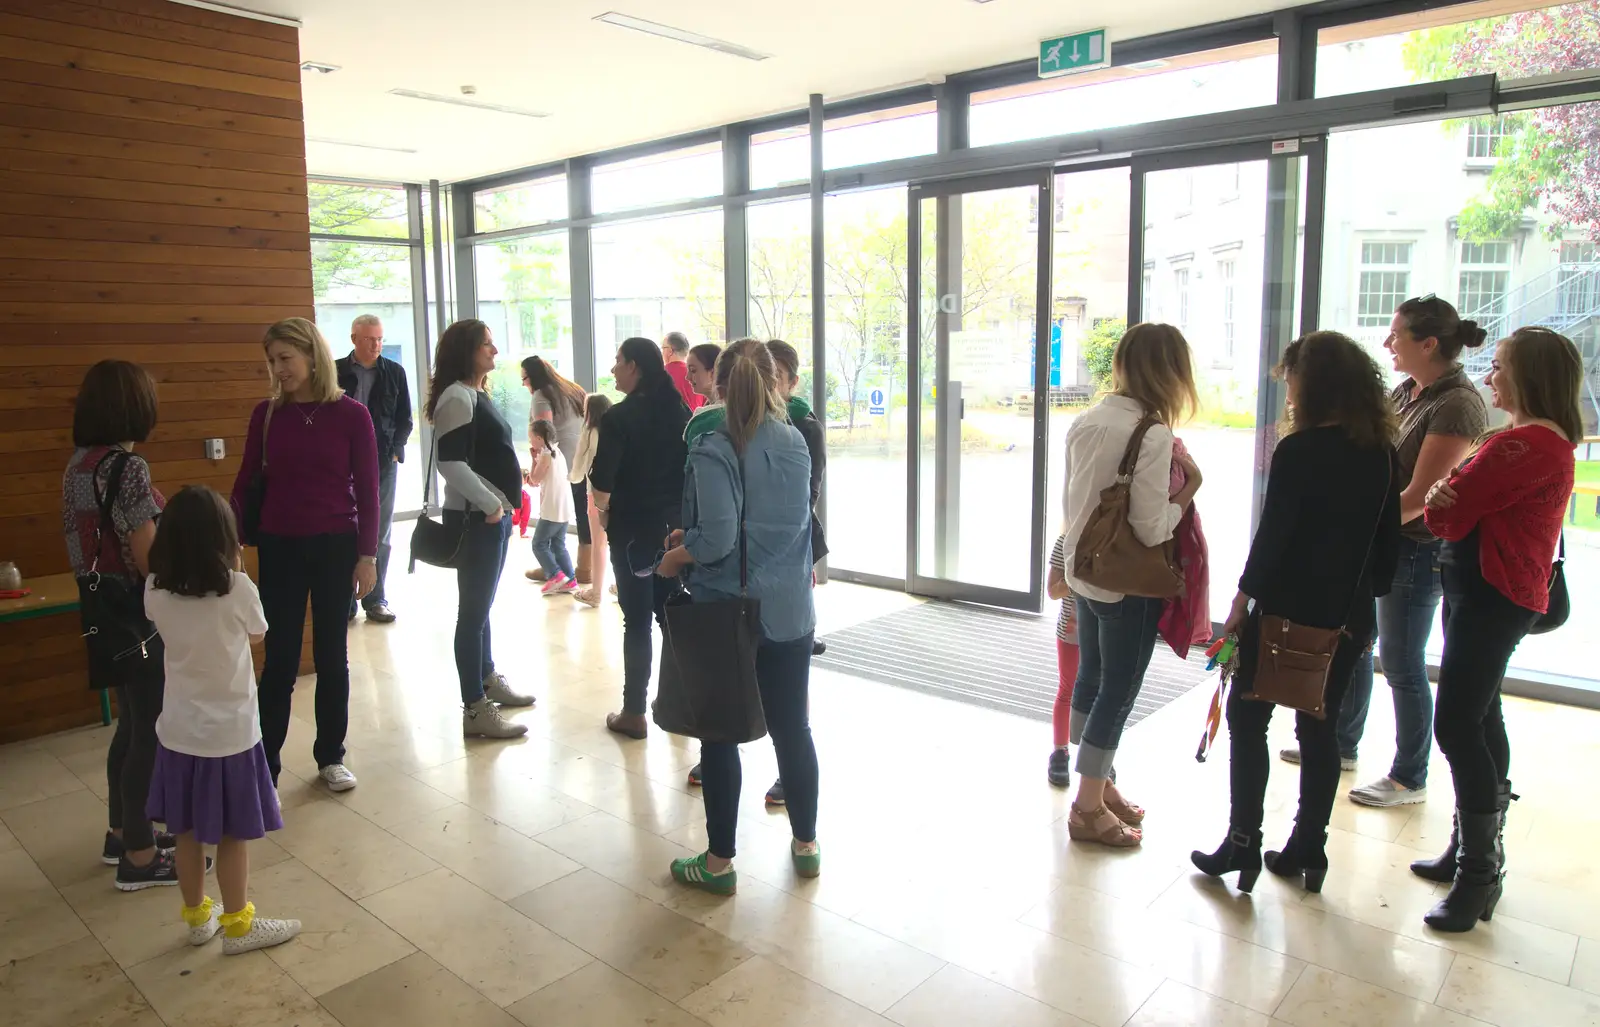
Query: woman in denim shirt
x=755 y=468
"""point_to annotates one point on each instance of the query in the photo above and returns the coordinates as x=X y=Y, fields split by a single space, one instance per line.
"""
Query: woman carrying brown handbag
x=1111 y=465
x=1327 y=543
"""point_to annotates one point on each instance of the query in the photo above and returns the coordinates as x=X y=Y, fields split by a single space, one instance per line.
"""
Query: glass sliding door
x=979 y=382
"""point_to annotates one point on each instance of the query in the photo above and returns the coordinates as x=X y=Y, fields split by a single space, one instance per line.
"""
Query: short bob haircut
x=116 y=403
x=196 y=548
x=306 y=337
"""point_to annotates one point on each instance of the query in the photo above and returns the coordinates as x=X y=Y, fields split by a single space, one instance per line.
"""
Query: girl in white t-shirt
x=211 y=784
x=555 y=511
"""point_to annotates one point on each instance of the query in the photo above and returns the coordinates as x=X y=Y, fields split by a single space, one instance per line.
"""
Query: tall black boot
x=1478 y=879
x=1443 y=868
x=1304 y=853
x=1241 y=852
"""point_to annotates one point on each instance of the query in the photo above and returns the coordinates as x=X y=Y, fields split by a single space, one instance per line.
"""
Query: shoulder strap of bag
x=433 y=452
x=1372 y=540
x=744 y=499
x=266 y=426
x=106 y=502
x=1130 y=459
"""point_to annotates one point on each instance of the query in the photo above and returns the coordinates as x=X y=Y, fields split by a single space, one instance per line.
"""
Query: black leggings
x=1250 y=762
x=1481 y=630
x=580 y=510
x=129 y=761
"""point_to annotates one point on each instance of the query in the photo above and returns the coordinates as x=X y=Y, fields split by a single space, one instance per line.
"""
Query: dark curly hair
x=1336 y=382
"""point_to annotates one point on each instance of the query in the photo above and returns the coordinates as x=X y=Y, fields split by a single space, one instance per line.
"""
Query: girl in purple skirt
x=211 y=785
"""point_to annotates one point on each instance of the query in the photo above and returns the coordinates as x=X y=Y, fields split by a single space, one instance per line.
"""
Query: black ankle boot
x=1300 y=855
x=1478 y=879
x=1241 y=852
x=1443 y=869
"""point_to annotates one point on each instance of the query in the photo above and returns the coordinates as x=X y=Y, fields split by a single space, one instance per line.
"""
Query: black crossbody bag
x=432 y=541
x=124 y=646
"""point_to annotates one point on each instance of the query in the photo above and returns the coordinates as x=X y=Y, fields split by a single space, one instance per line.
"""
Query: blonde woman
x=318 y=534
x=1153 y=377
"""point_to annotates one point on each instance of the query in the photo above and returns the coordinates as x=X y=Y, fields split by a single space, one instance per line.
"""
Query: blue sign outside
x=875 y=403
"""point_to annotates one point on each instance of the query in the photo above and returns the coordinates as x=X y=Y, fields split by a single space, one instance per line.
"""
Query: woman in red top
x=1500 y=515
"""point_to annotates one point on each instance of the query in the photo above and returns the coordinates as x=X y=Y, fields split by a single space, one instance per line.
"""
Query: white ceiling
x=606 y=86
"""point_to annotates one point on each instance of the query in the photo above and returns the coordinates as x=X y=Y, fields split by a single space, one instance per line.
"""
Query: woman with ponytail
x=753 y=475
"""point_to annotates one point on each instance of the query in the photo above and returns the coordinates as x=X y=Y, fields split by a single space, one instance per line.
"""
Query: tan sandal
x=1103 y=827
x=1126 y=811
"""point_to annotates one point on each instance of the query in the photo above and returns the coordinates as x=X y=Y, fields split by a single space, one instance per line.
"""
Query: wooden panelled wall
x=152 y=208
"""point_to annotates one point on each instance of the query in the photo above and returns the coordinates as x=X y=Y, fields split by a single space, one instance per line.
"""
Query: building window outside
x=1225 y=274
x=627 y=326
x=1484 y=280
x=1578 y=290
x=1180 y=292
x=1485 y=136
x=1385 y=282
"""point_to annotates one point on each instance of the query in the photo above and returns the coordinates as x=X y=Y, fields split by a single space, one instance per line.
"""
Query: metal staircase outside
x=1565 y=299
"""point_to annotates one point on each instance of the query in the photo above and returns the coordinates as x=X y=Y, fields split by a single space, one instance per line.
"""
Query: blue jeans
x=550 y=549
x=1115 y=643
x=643 y=601
x=387 y=472
x=1405 y=620
x=783 y=672
x=482 y=557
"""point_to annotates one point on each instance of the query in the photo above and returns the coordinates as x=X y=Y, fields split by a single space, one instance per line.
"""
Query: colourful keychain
x=1223 y=653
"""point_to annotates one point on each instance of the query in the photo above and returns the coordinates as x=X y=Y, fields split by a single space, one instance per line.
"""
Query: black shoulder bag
x=255 y=491
x=1560 y=602
x=708 y=687
x=124 y=647
x=434 y=542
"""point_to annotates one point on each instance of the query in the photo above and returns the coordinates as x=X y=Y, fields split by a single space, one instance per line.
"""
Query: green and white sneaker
x=693 y=872
x=807 y=857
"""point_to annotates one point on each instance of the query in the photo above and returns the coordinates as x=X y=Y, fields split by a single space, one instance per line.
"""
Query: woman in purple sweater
x=318 y=536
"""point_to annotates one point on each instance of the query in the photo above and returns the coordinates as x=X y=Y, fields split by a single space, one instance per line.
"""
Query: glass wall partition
x=656 y=179
x=780 y=277
x=525 y=297
x=783 y=156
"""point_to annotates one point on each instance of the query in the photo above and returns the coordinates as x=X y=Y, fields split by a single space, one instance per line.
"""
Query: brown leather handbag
x=1109 y=555
x=1293 y=661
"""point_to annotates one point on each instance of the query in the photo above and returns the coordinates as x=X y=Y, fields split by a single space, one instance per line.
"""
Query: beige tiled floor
x=526 y=882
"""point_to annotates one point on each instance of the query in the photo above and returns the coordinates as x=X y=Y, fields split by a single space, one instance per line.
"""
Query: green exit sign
x=1065 y=55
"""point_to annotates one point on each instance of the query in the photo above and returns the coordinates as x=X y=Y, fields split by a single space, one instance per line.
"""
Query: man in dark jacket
x=380 y=385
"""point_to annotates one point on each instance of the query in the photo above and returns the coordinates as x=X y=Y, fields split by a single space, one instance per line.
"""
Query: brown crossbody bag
x=1294 y=660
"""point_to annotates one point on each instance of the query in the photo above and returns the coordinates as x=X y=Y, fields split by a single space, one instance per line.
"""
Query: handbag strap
x=1131 y=458
x=266 y=426
x=104 y=503
x=744 y=500
x=433 y=451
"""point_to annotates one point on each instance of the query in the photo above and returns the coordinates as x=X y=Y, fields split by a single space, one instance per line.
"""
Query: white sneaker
x=498 y=691
x=1387 y=792
x=205 y=932
x=338 y=778
x=264 y=933
x=1292 y=755
x=483 y=719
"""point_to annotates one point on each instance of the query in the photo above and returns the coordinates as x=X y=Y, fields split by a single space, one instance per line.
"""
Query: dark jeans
x=482 y=558
x=1115 y=643
x=1482 y=628
x=580 y=510
x=1405 y=620
x=1249 y=762
x=321 y=567
x=129 y=761
x=550 y=549
x=784 y=672
x=643 y=600
x=387 y=472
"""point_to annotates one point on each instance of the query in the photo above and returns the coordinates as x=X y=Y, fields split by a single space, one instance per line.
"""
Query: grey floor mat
x=998 y=659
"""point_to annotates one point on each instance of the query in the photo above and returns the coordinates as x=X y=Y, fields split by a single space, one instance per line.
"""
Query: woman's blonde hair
x=1152 y=365
x=305 y=337
x=1546 y=378
x=748 y=380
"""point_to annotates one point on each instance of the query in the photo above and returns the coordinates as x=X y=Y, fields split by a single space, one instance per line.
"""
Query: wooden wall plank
x=137 y=24
x=130 y=44
x=146 y=313
x=46 y=461
x=17 y=138
x=140 y=111
x=115 y=127
x=83 y=187
x=67 y=373
x=165 y=11
x=144 y=292
x=98 y=209
x=108 y=273
x=218 y=103
x=182 y=255
x=65 y=55
x=44 y=162
x=13 y=354
x=74 y=333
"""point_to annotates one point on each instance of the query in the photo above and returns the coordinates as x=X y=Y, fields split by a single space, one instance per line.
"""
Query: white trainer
x=337 y=777
x=498 y=691
x=1386 y=793
x=264 y=934
x=205 y=932
x=483 y=719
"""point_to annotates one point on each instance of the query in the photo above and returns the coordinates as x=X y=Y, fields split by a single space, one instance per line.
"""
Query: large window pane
x=780 y=277
x=865 y=253
x=1514 y=39
x=783 y=156
x=657 y=276
x=348 y=208
x=525 y=297
x=659 y=178
x=524 y=205
x=1201 y=83
x=1504 y=256
x=351 y=279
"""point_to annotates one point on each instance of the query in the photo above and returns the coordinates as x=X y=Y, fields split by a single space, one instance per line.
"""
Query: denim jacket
x=777 y=522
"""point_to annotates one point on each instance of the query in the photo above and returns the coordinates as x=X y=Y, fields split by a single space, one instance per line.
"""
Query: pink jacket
x=1186 y=618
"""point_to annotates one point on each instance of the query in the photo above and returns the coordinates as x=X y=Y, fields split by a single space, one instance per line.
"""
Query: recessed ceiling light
x=361 y=146
x=461 y=101
x=324 y=69
x=628 y=21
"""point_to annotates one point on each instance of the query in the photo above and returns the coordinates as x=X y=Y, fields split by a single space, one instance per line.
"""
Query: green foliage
x=341 y=208
x=1100 y=347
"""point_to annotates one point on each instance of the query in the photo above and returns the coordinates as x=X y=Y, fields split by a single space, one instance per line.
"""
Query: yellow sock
x=237 y=925
x=198 y=916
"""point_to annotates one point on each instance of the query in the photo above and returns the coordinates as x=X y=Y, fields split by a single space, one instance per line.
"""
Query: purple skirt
x=216 y=797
